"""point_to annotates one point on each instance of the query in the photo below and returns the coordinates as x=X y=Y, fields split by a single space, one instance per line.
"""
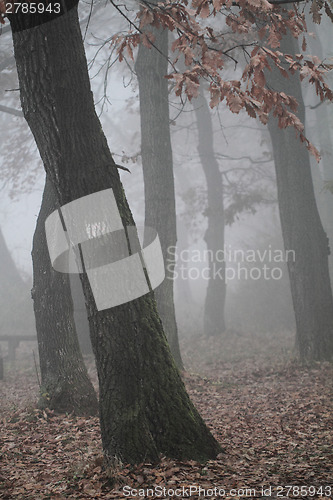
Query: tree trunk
x=325 y=196
x=302 y=229
x=324 y=137
x=214 y=322
x=160 y=208
x=66 y=386
x=144 y=407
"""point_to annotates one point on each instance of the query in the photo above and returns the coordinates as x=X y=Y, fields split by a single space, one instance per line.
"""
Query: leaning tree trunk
x=214 y=322
x=160 y=208
x=144 y=407
x=301 y=228
x=65 y=385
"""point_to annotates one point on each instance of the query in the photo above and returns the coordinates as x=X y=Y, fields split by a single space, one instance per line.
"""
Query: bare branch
x=11 y=111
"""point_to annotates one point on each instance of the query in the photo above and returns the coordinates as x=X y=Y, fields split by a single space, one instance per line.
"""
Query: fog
x=258 y=291
x=166 y=307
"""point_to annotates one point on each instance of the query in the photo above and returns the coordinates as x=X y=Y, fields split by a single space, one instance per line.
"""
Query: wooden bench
x=14 y=342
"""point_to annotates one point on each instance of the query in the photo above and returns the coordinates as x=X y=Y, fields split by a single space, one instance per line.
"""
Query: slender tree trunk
x=66 y=386
x=144 y=408
x=160 y=208
x=214 y=322
x=302 y=229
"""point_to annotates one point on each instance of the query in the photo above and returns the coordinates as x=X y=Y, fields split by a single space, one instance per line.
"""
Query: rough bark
x=214 y=321
x=302 y=228
x=160 y=208
x=65 y=385
x=144 y=407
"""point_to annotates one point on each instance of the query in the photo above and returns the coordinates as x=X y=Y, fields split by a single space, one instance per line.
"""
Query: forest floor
x=272 y=417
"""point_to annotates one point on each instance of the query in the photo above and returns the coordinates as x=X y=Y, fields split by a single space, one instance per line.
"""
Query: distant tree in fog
x=205 y=50
x=160 y=205
x=302 y=228
x=214 y=320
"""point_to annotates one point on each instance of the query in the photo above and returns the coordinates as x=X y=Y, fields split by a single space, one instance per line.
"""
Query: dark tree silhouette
x=302 y=228
x=144 y=407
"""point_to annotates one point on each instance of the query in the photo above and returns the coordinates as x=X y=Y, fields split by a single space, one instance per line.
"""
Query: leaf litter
x=272 y=417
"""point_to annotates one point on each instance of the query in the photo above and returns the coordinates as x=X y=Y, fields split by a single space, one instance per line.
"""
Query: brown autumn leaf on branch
x=257 y=29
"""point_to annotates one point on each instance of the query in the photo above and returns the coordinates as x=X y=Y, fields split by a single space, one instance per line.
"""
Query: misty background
x=244 y=154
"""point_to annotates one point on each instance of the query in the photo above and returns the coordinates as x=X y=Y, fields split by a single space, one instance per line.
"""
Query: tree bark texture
x=65 y=384
x=144 y=407
x=302 y=228
x=214 y=321
x=160 y=207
